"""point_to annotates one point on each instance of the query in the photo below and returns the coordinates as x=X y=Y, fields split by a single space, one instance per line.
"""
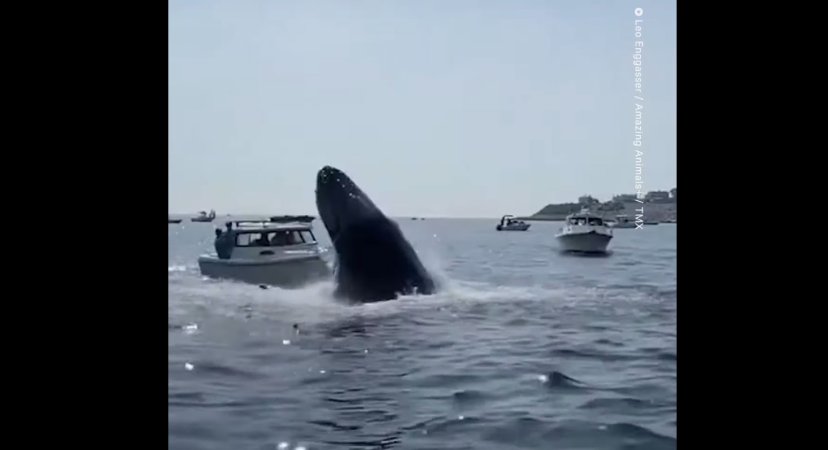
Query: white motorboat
x=584 y=232
x=622 y=221
x=281 y=252
x=509 y=223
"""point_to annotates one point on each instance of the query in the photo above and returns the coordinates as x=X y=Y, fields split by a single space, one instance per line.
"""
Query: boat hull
x=519 y=227
x=589 y=242
x=291 y=272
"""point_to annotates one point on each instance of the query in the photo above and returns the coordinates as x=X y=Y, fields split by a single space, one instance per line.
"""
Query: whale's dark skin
x=374 y=260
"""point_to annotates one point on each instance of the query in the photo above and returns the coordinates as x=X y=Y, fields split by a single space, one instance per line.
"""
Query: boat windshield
x=592 y=221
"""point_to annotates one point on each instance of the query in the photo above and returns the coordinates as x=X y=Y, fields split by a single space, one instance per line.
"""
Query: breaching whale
x=374 y=261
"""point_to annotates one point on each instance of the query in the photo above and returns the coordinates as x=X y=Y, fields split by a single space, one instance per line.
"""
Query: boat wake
x=315 y=302
x=190 y=293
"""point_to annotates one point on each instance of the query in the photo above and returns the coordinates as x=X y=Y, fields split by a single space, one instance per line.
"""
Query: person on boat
x=290 y=237
x=224 y=242
x=262 y=241
x=280 y=239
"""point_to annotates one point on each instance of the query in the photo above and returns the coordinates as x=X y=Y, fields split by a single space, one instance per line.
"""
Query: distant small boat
x=509 y=223
x=622 y=221
x=173 y=220
x=204 y=217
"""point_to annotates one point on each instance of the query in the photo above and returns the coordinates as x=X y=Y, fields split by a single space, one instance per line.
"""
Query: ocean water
x=523 y=348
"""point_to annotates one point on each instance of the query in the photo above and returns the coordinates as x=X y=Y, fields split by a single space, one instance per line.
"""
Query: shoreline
x=661 y=212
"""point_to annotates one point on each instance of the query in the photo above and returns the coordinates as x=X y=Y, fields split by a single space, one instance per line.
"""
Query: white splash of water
x=315 y=304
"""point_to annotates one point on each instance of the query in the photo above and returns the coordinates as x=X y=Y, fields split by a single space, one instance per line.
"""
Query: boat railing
x=240 y=223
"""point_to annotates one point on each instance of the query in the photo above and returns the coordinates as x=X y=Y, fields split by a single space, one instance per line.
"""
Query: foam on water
x=227 y=298
x=319 y=298
x=315 y=303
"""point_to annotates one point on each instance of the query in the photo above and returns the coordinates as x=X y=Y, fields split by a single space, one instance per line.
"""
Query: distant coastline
x=658 y=206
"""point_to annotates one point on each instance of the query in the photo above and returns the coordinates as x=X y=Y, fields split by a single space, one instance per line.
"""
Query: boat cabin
x=509 y=220
x=256 y=239
x=585 y=219
x=273 y=237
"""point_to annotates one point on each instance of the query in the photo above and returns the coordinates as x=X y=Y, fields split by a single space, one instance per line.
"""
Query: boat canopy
x=288 y=219
x=259 y=226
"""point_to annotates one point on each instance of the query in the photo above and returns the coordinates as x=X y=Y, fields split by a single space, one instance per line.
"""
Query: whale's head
x=374 y=260
x=341 y=203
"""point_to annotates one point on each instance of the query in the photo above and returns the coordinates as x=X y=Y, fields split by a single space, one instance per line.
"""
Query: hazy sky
x=435 y=108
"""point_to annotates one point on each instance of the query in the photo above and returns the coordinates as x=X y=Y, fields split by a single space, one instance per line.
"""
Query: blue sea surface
x=523 y=348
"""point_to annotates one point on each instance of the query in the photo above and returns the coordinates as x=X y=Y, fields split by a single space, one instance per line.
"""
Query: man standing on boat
x=224 y=241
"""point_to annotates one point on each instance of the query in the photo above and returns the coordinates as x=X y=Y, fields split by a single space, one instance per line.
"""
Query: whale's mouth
x=341 y=202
